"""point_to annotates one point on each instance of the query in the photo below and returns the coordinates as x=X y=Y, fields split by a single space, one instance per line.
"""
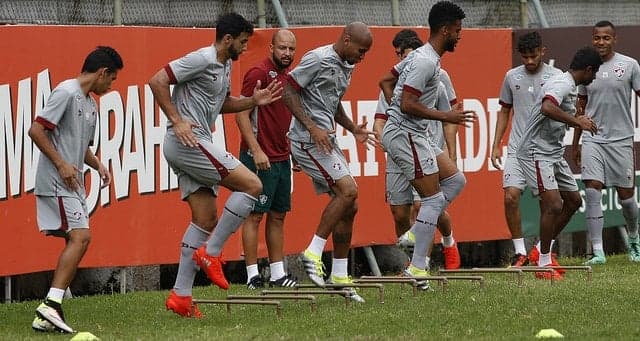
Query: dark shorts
x=276 y=185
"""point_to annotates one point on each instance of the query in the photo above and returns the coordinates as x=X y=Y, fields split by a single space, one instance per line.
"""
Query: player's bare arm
x=450 y=131
x=67 y=171
x=387 y=84
x=320 y=136
x=159 y=85
x=501 y=126
x=576 y=154
x=244 y=125
x=410 y=104
x=269 y=94
x=360 y=131
x=93 y=162
x=551 y=110
x=378 y=126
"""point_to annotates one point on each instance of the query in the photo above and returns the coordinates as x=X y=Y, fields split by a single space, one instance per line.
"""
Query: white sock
x=339 y=267
x=518 y=245
x=553 y=241
x=252 y=271
x=448 y=241
x=317 y=245
x=56 y=294
x=428 y=260
x=598 y=246
x=277 y=270
x=545 y=259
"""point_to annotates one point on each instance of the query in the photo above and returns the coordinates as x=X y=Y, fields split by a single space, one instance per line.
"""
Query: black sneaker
x=287 y=281
x=255 y=282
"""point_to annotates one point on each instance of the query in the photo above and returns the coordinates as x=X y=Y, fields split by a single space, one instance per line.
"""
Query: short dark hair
x=584 y=57
x=605 y=23
x=444 y=13
x=413 y=44
x=233 y=24
x=402 y=36
x=102 y=56
x=529 y=42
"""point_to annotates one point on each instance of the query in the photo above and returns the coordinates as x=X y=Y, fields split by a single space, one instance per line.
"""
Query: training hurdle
x=442 y=280
x=586 y=268
x=345 y=294
x=243 y=302
x=518 y=272
x=385 y=280
x=378 y=286
x=310 y=298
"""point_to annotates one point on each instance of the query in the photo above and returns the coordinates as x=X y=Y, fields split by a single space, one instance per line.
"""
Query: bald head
x=358 y=32
x=283 y=48
x=283 y=35
x=354 y=42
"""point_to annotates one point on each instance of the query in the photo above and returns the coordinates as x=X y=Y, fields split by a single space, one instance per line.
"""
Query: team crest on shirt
x=262 y=199
x=518 y=77
x=337 y=166
x=517 y=86
x=273 y=74
x=618 y=69
x=545 y=77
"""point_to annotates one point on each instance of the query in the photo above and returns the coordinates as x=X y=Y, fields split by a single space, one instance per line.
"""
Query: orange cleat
x=182 y=305
x=212 y=266
x=451 y=257
x=519 y=260
x=554 y=274
x=534 y=256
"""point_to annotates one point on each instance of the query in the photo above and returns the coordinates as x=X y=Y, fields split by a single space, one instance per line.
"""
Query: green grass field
x=605 y=308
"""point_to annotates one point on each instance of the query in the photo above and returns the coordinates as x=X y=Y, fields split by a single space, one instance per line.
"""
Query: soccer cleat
x=212 y=266
x=451 y=257
x=182 y=305
x=255 y=282
x=42 y=325
x=352 y=293
x=597 y=259
x=634 y=249
x=314 y=267
x=554 y=262
x=408 y=239
x=519 y=260
x=52 y=312
x=554 y=274
x=534 y=256
x=412 y=271
x=287 y=281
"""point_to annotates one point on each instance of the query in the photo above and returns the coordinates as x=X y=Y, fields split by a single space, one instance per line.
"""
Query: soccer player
x=201 y=92
x=607 y=156
x=313 y=96
x=265 y=150
x=405 y=138
x=403 y=199
x=541 y=151
x=63 y=132
x=518 y=93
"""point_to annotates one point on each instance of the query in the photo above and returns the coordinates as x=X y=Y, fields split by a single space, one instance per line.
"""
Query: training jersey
x=270 y=123
x=519 y=91
x=419 y=74
x=434 y=129
x=609 y=99
x=542 y=139
x=201 y=87
x=321 y=78
x=70 y=118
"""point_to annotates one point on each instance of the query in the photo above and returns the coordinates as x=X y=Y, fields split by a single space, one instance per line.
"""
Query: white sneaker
x=314 y=268
x=408 y=239
x=352 y=293
x=41 y=325
x=51 y=314
x=412 y=271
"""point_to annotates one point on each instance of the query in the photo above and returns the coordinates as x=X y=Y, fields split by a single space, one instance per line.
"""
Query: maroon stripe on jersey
x=294 y=83
x=394 y=72
x=539 y=178
x=222 y=170
x=505 y=104
x=552 y=99
x=380 y=116
x=64 y=224
x=46 y=124
x=453 y=101
x=416 y=161
x=411 y=90
x=172 y=76
x=324 y=172
x=637 y=92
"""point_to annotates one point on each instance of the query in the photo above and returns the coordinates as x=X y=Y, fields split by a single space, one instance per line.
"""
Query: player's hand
x=105 y=176
x=184 y=132
x=261 y=160
x=321 y=138
x=496 y=157
x=271 y=93
x=586 y=124
x=368 y=137
x=378 y=127
x=69 y=174
x=459 y=116
x=576 y=156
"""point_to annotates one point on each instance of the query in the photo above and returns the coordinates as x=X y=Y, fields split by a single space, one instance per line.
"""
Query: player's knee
x=573 y=202
x=511 y=200
x=553 y=207
x=253 y=186
x=80 y=238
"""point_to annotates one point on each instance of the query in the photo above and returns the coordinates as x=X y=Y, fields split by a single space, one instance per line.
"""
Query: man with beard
x=313 y=95
x=607 y=156
x=519 y=91
x=265 y=150
x=413 y=106
x=201 y=92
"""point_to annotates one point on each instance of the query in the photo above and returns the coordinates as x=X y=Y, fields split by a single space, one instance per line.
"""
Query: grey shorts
x=198 y=167
x=610 y=163
x=399 y=190
x=58 y=215
x=324 y=169
x=415 y=154
x=512 y=175
x=544 y=175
